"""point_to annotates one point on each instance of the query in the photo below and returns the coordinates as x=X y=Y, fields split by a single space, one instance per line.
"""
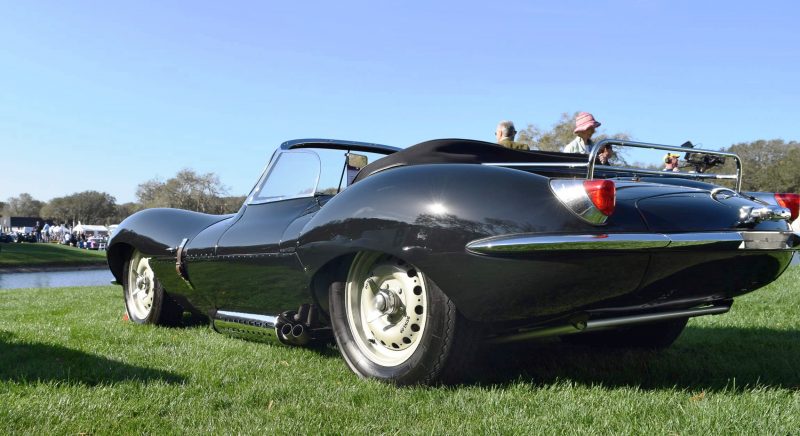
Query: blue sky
x=106 y=95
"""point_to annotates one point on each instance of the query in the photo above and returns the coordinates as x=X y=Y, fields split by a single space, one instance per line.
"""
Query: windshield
x=305 y=172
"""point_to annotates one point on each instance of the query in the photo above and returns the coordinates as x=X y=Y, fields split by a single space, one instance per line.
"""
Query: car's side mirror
x=354 y=164
x=356 y=161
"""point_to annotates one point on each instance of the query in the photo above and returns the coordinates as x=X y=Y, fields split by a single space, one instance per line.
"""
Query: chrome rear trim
x=778 y=241
x=602 y=324
x=572 y=194
x=770 y=240
x=705 y=239
x=521 y=243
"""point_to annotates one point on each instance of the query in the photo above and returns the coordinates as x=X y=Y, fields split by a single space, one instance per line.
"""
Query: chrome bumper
x=744 y=240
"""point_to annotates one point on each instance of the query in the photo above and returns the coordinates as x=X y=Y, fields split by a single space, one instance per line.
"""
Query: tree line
x=186 y=190
x=769 y=165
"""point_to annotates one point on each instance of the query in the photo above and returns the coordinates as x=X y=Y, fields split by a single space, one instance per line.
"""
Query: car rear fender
x=423 y=212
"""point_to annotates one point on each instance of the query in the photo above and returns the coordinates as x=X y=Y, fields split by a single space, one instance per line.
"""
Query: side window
x=294 y=174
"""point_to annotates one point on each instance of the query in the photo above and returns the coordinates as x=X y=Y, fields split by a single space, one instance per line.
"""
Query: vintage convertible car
x=414 y=259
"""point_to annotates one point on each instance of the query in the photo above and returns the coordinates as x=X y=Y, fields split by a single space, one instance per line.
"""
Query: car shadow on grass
x=26 y=362
x=703 y=358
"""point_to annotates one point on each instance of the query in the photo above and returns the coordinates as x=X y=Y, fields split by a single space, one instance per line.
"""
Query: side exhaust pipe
x=602 y=324
x=262 y=328
x=288 y=328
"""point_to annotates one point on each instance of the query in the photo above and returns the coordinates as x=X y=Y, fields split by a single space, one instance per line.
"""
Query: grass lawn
x=43 y=254
x=69 y=364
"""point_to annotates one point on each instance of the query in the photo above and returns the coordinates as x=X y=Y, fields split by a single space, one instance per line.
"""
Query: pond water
x=55 y=279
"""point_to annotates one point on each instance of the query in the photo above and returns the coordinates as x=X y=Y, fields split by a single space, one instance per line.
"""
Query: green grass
x=69 y=364
x=43 y=254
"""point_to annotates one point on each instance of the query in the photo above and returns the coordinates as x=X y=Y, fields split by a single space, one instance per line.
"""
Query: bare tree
x=24 y=205
x=187 y=190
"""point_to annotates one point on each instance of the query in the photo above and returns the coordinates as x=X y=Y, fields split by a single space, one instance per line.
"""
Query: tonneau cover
x=465 y=151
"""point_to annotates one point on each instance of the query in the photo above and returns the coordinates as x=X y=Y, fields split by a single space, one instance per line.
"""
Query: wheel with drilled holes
x=654 y=336
x=145 y=299
x=392 y=323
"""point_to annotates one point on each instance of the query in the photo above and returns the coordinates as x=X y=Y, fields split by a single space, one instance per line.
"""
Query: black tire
x=162 y=310
x=653 y=336
x=442 y=352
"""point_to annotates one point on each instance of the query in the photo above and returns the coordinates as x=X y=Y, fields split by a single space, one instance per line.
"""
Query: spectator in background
x=671 y=162
x=46 y=232
x=505 y=134
x=585 y=126
x=604 y=155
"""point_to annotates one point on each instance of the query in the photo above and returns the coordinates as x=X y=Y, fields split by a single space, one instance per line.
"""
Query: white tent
x=92 y=230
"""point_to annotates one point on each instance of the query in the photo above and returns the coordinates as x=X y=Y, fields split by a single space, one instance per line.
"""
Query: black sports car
x=412 y=260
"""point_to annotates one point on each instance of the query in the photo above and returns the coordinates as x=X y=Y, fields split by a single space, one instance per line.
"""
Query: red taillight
x=603 y=194
x=789 y=201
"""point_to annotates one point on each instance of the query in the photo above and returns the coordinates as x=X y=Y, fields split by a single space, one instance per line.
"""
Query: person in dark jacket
x=505 y=133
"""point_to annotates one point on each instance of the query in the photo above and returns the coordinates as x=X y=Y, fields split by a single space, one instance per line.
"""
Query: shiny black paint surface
x=155 y=232
x=245 y=266
x=426 y=214
x=262 y=259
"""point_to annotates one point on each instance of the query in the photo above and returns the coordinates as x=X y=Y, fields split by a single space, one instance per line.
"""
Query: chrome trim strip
x=730 y=240
x=777 y=241
x=699 y=176
x=770 y=240
x=653 y=317
x=620 y=241
x=266 y=319
x=601 y=324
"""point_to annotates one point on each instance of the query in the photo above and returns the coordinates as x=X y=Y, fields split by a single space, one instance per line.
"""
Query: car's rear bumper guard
x=744 y=240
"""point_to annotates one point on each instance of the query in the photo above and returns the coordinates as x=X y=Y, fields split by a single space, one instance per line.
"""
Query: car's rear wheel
x=655 y=336
x=392 y=323
x=145 y=299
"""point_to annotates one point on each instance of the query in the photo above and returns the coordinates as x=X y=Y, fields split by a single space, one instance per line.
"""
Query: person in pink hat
x=585 y=125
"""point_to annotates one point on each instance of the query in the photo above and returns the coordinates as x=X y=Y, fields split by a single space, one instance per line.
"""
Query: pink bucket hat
x=583 y=121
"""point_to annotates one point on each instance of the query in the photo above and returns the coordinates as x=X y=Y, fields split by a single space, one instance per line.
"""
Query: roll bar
x=596 y=149
x=591 y=165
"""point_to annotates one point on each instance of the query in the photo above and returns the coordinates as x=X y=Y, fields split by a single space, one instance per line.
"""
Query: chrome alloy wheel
x=387 y=302
x=141 y=286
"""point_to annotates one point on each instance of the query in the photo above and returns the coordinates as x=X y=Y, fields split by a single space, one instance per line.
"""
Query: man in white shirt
x=585 y=126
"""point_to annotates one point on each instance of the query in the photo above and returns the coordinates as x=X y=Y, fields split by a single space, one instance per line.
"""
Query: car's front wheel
x=145 y=299
x=392 y=323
